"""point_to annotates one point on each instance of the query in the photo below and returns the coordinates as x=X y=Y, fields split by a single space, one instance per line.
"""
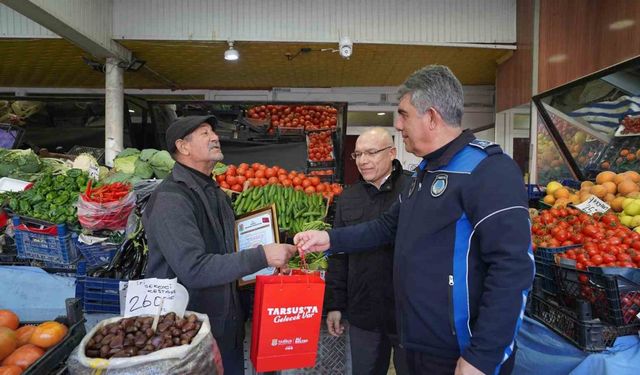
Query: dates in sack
x=131 y=337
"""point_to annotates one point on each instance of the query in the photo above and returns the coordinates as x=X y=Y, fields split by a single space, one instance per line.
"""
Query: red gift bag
x=287 y=313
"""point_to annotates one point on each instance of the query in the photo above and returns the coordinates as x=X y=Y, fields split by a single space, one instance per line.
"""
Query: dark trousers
x=371 y=352
x=232 y=361
x=423 y=364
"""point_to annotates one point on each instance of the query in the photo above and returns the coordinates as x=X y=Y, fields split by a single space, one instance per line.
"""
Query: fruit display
x=293 y=207
x=134 y=336
x=609 y=186
x=241 y=177
x=605 y=241
x=319 y=146
x=550 y=165
x=308 y=117
x=20 y=347
x=630 y=125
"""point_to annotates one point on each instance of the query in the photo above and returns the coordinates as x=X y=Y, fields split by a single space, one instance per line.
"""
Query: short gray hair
x=435 y=86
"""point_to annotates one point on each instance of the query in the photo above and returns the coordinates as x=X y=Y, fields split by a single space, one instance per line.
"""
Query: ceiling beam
x=96 y=41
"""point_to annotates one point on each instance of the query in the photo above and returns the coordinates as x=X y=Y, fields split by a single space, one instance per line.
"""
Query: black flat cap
x=183 y=126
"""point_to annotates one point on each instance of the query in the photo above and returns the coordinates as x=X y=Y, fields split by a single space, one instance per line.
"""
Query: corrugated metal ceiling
x=262 y=65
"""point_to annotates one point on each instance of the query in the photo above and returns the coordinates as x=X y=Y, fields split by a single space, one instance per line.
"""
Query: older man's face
x=374 y=157
x=411 y=124
x=204 y=145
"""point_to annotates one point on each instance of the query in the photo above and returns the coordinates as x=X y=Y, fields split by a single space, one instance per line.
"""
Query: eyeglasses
x=357 y=155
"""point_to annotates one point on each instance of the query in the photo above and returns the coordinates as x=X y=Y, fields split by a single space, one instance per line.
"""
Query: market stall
x=586 y=298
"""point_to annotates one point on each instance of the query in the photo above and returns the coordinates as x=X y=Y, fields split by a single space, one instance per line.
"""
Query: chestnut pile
x=130 y=337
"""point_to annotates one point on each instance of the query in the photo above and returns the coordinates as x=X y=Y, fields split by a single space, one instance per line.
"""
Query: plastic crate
x=97 y=254
x=591 y=335
x=98 y=295
x=55 y=248
x=534 y=192
x=545 y=260
x=613 y=298
x=56 y=356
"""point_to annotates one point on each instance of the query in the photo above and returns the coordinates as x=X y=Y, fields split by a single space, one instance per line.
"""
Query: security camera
x=346 y=47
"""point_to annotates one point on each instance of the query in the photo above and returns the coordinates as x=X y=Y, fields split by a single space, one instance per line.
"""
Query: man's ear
x=182 y=147
x=434 y=118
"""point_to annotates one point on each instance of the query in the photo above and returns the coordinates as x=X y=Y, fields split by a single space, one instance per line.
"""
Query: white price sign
x=144 y=297
x=593 y=205
x=94 y=171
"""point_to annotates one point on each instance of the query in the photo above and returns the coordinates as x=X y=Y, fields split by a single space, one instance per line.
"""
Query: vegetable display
x=51 y=198
x=313 y=261
x=320 y=146
x=294 y=208
x=309 y=117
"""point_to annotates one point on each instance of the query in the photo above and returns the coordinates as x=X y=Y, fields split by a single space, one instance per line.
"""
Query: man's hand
x=312 y=241
x=278 y=254
x=465 y=368
x=333 y=323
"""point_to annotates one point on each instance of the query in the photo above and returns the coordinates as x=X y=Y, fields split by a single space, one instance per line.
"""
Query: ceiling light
x=131 y=111
x=621 y=24
x=381 y=113
x=231 y=54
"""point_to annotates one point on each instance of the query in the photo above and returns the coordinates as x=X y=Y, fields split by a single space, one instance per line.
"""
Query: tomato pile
x=605 y=242
x=631 y=125
x=309 y=117
x=322 y=172
x=258 y=174
x=20 y=347
x=320 y=146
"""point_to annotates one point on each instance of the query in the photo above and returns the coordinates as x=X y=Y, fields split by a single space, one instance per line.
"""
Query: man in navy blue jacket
x=463 y=264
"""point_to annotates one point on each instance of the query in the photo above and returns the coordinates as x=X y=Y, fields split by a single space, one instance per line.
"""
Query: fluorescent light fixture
x=381 y=113
x=621 y=24
x=131 y=111
x=557 y=58
x=231 y=54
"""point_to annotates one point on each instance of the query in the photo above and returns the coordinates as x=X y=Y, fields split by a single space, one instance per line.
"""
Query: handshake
x=310 y=241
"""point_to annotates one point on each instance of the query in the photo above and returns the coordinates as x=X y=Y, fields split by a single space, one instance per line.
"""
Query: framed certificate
x=259 y=227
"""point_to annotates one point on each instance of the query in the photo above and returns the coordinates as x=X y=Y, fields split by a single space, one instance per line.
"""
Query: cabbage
x=19 y=161
x=128 y=152
x=143 y=169
x=147 y=154
x=162 y=163
x=125 y=164
x=84 y=162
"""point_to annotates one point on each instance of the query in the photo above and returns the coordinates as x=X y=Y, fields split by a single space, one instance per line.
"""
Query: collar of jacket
x=182 y=174
x=396 y=171
x=444 y=154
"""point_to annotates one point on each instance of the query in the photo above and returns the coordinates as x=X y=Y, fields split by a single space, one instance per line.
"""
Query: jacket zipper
x=450 y=295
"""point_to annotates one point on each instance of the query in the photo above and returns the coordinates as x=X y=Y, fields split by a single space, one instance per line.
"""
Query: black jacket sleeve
x=337 y=274
x=366 y=236
x=173 y=231
x=498 y=209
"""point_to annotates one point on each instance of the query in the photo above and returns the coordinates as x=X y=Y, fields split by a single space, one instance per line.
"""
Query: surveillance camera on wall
x=345 y=47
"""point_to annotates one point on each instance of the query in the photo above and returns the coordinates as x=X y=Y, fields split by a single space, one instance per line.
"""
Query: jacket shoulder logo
x=481 y=143
x=439 y=185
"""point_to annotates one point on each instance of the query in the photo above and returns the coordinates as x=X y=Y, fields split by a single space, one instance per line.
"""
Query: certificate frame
x=258 y=225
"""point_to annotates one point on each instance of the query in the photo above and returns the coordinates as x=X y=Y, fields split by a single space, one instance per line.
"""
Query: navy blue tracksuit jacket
x=463 y=264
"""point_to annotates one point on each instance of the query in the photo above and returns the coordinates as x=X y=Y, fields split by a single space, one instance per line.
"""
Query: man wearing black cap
x=189 y=223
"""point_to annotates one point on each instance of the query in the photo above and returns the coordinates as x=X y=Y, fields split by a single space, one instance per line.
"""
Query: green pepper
x=50 y=196
x=46 y=181
x=60 y=178
x=62 y=198
x=71 y=210
x=14 y=203
x=74 y=172
x=25 y=207
x=81 y=181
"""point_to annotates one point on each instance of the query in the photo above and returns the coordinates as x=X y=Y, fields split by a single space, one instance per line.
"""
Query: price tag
x=593 y=205
x=144 y=297
x=94 y=171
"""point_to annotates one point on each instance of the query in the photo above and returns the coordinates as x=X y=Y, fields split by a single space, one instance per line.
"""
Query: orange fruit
x=561 y=193
x=24 y=334
x=599 y=191
x=549 y=199
x=8 y=342
x=604 y=177
x=9 y=319
x=48 y=334
x=627 y=187
x=584 y=184
x=610 y=186
x=633 y=175
x=24 y=356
